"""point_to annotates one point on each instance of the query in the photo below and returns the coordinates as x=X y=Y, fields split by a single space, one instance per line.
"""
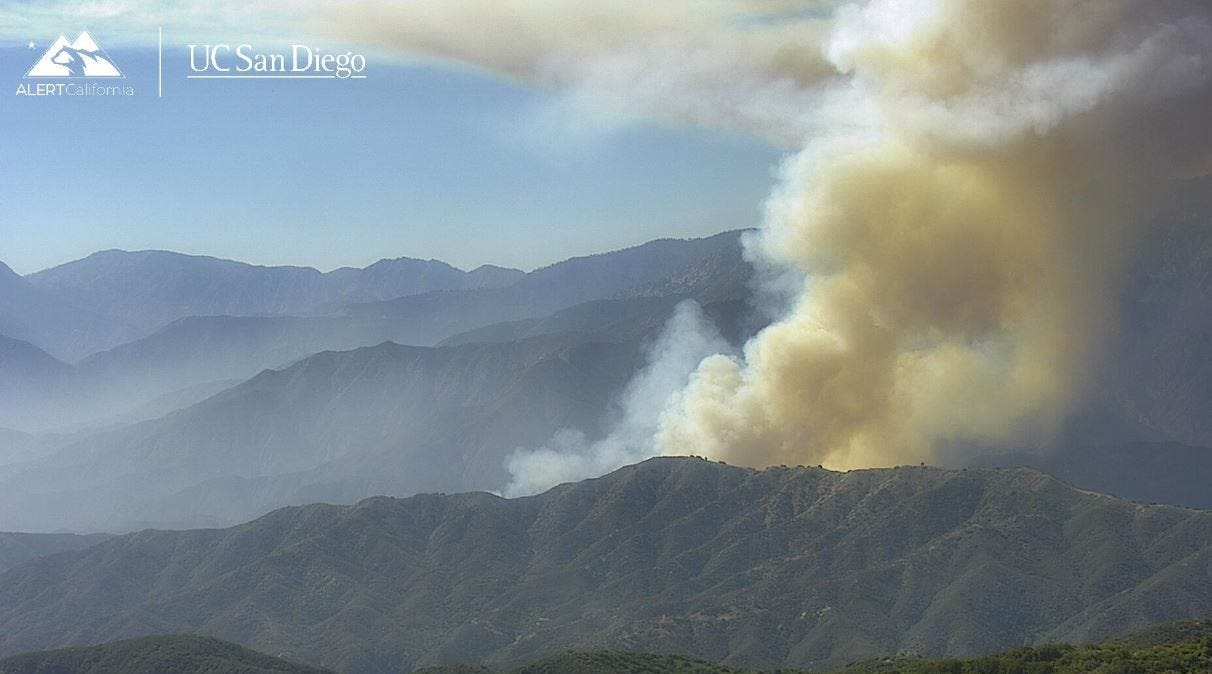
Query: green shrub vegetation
x=1173 y=648
x=785 y=567
x=179 y=654
x=1192 y=653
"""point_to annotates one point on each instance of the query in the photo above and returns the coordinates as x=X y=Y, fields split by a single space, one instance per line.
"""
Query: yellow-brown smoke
x=964 y=259
x=968 y=182
x=947 y=300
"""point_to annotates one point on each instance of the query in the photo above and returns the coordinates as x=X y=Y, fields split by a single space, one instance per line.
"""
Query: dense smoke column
x=964 y=252
x=967 y=182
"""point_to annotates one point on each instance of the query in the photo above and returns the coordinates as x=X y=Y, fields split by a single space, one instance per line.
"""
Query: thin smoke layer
x=968 y=181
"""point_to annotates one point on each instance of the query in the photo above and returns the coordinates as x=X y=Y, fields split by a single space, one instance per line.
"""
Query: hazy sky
x=416 y=160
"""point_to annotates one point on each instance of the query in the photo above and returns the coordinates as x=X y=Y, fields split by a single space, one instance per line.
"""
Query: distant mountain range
x=134 y=294
x=27 y=371
x=335 y=426
x=783 y=567
x=16 y=548
x=226 y=320
x=341 y=426
x=437 y=316
x=147 y=290
x=65 y=330
x=184 y=427
x=1149 y=472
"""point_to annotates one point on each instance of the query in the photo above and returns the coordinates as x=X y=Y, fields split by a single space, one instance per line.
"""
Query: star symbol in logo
x=31 y=44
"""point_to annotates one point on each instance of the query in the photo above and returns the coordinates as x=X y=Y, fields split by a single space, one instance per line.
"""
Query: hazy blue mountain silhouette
x=147 y=290
x=64 y=329
x=335 y=426
x=541 y=292
x=197 y=351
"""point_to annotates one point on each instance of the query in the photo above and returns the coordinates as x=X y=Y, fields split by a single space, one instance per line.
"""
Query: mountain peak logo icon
x=82 y=57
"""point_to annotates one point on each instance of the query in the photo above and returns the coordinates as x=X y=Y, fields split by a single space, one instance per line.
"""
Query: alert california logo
x=79 y=67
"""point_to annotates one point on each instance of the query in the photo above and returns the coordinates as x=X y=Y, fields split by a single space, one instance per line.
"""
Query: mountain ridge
x=18 y=547
x=151 y=288
x=196 y=350
x=142 y=291
x=362 y=419
x=110 y=252
x=780 y=567
x=551 y=288
x=1164 y=649
x=175 y=654
x=64 y=329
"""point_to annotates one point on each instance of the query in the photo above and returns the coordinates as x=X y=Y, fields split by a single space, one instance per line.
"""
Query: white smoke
x=688 y=338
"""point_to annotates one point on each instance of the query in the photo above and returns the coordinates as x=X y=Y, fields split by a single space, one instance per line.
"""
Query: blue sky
x=416 y=160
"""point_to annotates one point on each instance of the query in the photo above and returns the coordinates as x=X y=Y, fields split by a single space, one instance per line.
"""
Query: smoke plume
x=968 y=179
x=687 y=339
